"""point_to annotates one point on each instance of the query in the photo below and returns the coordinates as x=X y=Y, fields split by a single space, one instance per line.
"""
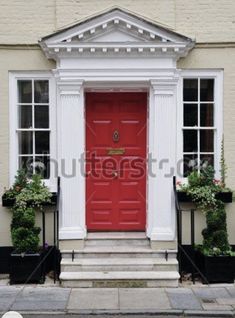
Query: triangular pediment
x=115 y=35
x=116 y=31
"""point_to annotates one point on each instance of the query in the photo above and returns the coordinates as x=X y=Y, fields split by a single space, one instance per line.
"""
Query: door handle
x=115 y=174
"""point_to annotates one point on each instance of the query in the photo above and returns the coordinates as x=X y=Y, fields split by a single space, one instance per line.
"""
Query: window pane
x=206 y=90
x=190 y=163
x=42 y=142
x=25 y=142
x=41 y=92
x=41 y=115
x=42 y=166
x=190 y=141
x=24 y=91
x=190 y=115
x=206 y=160
x=26 y=163
x=207 y=115
x=190 y=90
x=206 y=140
x=25 y=116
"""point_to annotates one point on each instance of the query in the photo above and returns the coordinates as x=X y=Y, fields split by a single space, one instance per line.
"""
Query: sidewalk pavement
x=189 y=300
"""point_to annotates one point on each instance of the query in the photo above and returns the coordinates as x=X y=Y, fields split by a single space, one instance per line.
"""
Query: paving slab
x=7 y=296
x=226 y=301
x=231 y=290
x=211 y=292
x=93 y=299
x=143 y=298
x=208 y=313
x=183 y=298
x=216 y=307
x=42 y=299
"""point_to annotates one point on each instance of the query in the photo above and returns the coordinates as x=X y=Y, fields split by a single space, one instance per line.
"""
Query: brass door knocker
x=115 y=136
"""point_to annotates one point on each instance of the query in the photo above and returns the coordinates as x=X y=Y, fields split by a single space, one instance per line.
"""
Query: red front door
x=116 y=161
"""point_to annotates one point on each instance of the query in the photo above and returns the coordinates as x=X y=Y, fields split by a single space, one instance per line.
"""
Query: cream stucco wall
x=23 y=22
x=223 y=58
x=11 y=60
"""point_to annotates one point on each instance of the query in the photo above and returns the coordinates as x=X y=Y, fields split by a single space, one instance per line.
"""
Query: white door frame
x=161 y=126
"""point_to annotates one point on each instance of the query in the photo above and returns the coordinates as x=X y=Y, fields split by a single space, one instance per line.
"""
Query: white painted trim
x=162 y=91
x=13 y=117
x=144 y=38
x=217 y=75
x=71 y=146
x=162 y=125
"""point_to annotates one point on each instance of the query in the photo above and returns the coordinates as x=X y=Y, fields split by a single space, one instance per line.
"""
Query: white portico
x=117 y=52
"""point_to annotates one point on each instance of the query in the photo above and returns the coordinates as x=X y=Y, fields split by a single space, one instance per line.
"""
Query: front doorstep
x=216 y=269
x=26 y=268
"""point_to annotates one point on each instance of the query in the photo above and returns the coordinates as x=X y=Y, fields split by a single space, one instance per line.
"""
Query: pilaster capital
x=67 y=83
x=69 y=87
x=164 y=85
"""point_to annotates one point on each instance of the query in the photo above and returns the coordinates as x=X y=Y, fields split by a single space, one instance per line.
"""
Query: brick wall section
x=206 y=20
x=162 y=11
x=25 y=21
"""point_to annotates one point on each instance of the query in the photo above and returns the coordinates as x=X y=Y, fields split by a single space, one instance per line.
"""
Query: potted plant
x=26 y=259
x=222 y=193
x=214 y=257
x=9 y=196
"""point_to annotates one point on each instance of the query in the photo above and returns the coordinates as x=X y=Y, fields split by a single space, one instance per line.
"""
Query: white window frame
x=217 y=75
x=13 y=123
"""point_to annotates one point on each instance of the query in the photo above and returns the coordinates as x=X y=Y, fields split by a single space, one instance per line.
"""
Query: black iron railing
x=55 y=248
x=181 y=251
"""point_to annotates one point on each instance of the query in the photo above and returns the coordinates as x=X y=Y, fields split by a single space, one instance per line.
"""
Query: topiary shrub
x=202 y=187
x=19 y=184
x=32 y=195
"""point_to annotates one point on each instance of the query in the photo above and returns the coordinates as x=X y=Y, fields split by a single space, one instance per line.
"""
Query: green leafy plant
x=29 y=195
x=35 y=194
x=19 y=184
x=202 y=187
x=223 y=166
x=25 y=235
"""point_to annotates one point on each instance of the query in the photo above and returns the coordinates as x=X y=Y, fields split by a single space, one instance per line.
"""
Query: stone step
x=117 y=239
x=110 y=252
x=119 y=279
x=117 y=242
x=120 y=251
x=118 y=264
x=116 y=236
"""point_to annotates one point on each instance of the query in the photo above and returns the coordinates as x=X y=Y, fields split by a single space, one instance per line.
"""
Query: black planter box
x=6 y=202
x=226 y=197
x=216 y=269
x=183 y=197
x=26 y=268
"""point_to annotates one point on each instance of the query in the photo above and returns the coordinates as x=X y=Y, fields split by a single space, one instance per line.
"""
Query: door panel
x=116 y=183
